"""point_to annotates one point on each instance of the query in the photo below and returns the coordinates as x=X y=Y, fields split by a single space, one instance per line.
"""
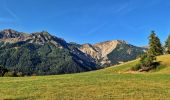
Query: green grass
x=106 y=84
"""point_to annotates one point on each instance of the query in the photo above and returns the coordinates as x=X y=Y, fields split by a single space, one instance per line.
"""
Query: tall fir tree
x=155 y=47
x=167 y=45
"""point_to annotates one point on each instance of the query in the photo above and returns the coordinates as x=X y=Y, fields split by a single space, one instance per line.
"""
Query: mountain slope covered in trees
x=40 y=53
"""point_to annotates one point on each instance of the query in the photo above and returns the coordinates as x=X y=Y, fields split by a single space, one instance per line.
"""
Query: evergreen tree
x=155 y=47
x=2 y=71
x=167 y=45
x=148 y=60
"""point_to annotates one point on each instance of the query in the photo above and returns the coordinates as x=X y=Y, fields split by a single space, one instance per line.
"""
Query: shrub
x=136 y=67
x=146 y=63
x=3 y=70
x=19 y=74
x=147 y=60
x=10 y=74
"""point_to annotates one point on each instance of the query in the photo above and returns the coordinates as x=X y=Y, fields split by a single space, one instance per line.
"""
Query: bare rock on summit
x=103 y=52
x=99 y=50
x=11 y=36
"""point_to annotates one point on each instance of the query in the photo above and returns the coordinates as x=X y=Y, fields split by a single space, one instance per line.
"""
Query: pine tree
x=148 y=60
x=3 y=70
x=155 y=47
x=167 y=45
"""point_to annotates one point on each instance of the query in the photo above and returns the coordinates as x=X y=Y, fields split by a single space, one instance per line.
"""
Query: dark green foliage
x=9 y=74
x=3 y=70
x=125 y=52
x=24 y=58
x=148 y=60
x=13 y=74
x=155 y=47
x=136 y=67
x=167 y=45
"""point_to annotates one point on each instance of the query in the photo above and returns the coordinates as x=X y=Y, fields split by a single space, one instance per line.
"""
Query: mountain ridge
x=40 y=53
x=48 y=54
x=101 y=51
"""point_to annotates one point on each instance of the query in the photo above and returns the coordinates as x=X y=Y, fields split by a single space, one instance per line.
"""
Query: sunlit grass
x=110 y=83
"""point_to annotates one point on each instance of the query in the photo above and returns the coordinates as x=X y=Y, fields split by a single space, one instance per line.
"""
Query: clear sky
x=89 y=21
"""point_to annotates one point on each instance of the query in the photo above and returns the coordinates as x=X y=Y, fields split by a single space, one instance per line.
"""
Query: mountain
x=40 y=53
x=112 y=52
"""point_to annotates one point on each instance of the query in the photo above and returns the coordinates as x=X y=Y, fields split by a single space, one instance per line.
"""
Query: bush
x=11 y=74
x=19 y=74
x=3 y=70
x=136 y=67
x=147 y=62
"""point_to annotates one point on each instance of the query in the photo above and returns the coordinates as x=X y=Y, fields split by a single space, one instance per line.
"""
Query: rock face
x=41 y=38
x=103 y=52
x=100 y=51
x=12 y=36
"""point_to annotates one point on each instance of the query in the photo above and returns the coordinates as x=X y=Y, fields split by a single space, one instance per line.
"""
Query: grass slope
x=106 y=84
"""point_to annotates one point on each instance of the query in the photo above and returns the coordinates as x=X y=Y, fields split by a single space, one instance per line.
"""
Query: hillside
x=109 y=53
x=110 y=83
x=40 y=53
x=125 y=68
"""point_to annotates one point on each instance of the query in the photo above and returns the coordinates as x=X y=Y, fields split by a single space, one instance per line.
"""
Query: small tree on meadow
x=148 y=60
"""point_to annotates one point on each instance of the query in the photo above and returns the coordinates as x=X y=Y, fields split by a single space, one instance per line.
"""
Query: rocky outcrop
x=11 y=36
x=101 y=52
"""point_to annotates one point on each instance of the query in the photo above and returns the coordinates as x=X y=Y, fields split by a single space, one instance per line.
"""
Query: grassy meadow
x=106 y=84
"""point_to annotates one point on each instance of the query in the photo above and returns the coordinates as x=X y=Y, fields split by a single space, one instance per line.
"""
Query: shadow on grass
x=158 y=67
x=21 y=98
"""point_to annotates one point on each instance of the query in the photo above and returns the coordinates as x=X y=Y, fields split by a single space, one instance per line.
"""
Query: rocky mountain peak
x=43 y=33
x=44 y=37
x=41 y=37
x=9 y=31
x=107 y=46
x=101 y=51
x=9 y=35
x=12 y=36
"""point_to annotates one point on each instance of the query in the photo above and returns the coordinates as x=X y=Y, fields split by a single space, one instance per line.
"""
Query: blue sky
x=89 y=21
